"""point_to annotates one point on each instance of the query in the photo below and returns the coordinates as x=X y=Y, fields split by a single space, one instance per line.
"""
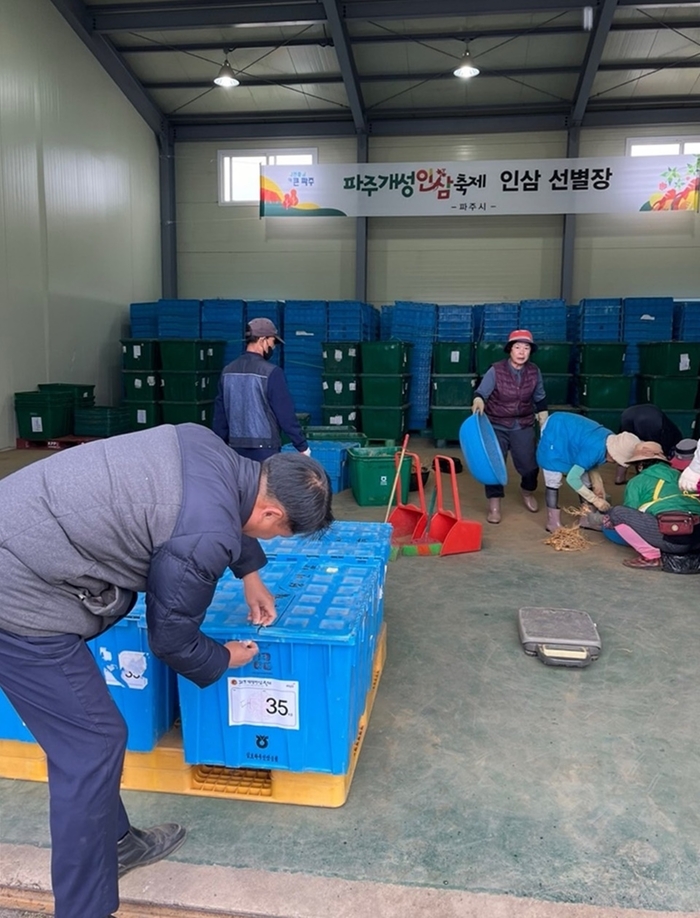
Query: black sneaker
x=140 y=847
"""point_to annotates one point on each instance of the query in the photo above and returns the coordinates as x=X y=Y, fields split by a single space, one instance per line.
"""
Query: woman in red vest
x=511 y=393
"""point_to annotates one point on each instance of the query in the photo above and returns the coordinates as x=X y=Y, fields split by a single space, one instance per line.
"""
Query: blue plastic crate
x=647 y=319
x=499 y=320
x=143 y=687
x=223 y=320
x=333 y=456
x=601 y=320
x=297 y=705
x=546 y=319
x=386 y=315
x=688 y=327
x=12 y=727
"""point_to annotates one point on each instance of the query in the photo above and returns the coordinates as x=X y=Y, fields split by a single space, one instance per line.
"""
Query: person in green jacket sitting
x=653 y=490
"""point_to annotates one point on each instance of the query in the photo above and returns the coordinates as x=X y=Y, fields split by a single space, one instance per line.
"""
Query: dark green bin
x=557 y=387
x=553 y=357
x=684 y=421
x=602 y=391
x=341 y=357
x=384 y=357
x=335 y=433
x=601 y=358
x=453 y=357
x=607 y=417
x=384 y=423
x=446 y=422
x=101 y=421
x=676 y=393
x=669 y=358
x=486 y=354
x=372 y=473
x=192 y=354
x=140 y=354
x=44 y=416
x=82 y=394
x=340 y=416
x=188 y=412
x=182 y=386
x=382 y=391
x=143 y=415
x=142 y=386
x=452 y=391
x=339 y=389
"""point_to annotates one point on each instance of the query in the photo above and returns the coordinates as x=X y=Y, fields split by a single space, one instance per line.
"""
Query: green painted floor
x=482 y=769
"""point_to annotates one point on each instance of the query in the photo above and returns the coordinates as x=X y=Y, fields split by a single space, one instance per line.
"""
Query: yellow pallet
x=165 y=770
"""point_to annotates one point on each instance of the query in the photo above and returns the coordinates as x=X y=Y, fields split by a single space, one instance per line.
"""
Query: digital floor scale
x=559 y=637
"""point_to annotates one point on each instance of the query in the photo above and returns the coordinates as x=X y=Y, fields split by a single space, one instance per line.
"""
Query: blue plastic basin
x=614 y=536
x=482 y=450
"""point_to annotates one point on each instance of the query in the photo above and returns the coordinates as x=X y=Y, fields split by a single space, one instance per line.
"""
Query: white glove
x=307 y=451
x=689 y=480
x=542 y=417
x=478 y=405
x=598 y=502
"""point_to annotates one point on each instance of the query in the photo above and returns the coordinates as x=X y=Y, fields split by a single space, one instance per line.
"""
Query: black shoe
x=140 y=847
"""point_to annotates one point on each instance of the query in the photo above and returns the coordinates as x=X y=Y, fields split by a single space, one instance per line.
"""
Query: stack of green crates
x=189 y=376
x=385 y=382
x=603 y=391
x=340 y=383
x=554 y=361
x=101 y=421
x=141 y=381
x=669 y=378
x=452 y=388
x=44 y=415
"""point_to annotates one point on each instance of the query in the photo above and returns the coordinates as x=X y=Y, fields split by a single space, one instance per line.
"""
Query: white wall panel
x=79 y=210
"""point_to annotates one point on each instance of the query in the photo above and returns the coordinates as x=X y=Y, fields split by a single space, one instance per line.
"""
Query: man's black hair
x=302 y=487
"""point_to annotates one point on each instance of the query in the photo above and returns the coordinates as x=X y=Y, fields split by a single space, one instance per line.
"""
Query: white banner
x=598 y=185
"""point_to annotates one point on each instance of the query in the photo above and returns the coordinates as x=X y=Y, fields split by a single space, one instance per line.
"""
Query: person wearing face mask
x=510 y=394
x=253 y=404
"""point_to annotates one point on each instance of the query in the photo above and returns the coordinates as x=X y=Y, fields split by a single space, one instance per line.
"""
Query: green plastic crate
x=340 y=415
x=676 y=393
x=384 y=391
x=453 y=391
x=453 y=357
x=608 y=417
x=382 y=357
x=82 y=394
x=372 y=473
x=383 y=423
x=341 y=357
x=336 y=433
x=684 y=421
x=552 y=357
x=598 y=391
x=143 y=415
x=140 y=354
x=339 y=389
x=669 y=358
x=601 y=358
x=191 y=354
x=487 y=353
x=101 y=421
x=44 y=416
x=184 y=386
x=557 y=387
x=188 y=412
x=142 y=386
x=446 y=422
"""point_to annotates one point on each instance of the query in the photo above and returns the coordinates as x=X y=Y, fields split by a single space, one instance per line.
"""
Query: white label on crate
x=352 y=386
x=337 y=387
x=137 y=350
x=336 y=419
x=263 y=703
x=337 y=356
x=201 y=355
x=137 y=383
x=352 y=351
x=37 y=426
x=684 y=363
x=151 y=380
x=325 y=385
x=133 y=665
x=141 y=416
x=454 y=356
x=210 y=352
x=352 y=416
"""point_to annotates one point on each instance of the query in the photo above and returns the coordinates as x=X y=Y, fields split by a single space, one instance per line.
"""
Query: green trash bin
x=452 y=391
x=384 y=391
x=340 y=415
x=384 y=423
x=192 y=354
x=348 y=433
x=669 y=358
x=188 y=412
x=600 y=391
x=601 y=358
x=339 y=388
x=453 y=357
x=674 y=392
x=385 y=357
x=184 y=386
x=44 y=415
x=557 y=387
x=372 y=473
x=341 y=357
x=486 y=354
x=552 y=357
x=140 y=354
x=607 y=417
x=446 y=422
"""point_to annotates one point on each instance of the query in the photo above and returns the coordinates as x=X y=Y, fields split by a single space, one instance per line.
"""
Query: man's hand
x=306 y=452
x=478 y=405
x=240 y=652
x=261 y=602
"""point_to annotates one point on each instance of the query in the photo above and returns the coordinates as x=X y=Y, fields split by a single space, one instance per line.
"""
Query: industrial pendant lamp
x=226 y=76
x=466 y=69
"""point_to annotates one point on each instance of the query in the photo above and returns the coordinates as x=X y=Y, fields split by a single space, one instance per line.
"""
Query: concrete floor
x=488 y=784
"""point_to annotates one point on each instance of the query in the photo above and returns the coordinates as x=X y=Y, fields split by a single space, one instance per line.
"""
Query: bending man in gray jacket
x=163 y=511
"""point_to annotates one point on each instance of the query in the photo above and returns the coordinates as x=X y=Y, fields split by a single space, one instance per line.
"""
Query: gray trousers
x=520 y=443
x=645 y=525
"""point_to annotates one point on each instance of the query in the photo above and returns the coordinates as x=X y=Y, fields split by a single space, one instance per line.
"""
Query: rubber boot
x=140 y=847
x=494 y=514
x=591 y=520
x=620 y=474
x=553 y=519
x=530 y=501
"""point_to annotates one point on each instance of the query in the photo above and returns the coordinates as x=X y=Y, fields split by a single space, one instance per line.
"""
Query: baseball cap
x=264 y=328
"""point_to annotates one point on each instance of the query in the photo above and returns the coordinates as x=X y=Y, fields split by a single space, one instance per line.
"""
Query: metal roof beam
x=348 y=69
x=594 y=54
x=77 y=16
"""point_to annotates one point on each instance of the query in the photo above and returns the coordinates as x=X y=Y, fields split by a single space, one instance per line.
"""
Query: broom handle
x=396 y=477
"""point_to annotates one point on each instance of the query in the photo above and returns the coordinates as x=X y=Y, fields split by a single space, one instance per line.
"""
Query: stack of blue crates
x=385 y=317
x=333 y=456
x=352 y=320
x=573 y=322
x=600 y=320
x=224 y=320
x=546 y=319
x=305 y=330
x=297 y=705
x=455 y=323
x=417 y=323
x=645 y=318
x=687 y=321
x=143 y=318
x=272 y=310
x=179 y=319
x=499 y=320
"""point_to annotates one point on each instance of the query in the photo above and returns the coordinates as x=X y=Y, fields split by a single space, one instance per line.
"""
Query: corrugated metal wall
x=79 y=210
x=228 y=251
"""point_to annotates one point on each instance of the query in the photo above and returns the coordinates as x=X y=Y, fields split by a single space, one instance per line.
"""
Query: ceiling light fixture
x=466 y=69
x=226 y=77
